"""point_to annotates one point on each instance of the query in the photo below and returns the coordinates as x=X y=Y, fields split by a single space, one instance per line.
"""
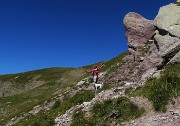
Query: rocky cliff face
x=152 y=45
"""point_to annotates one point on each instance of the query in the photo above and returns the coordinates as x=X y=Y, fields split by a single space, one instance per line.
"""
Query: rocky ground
x=65 y=119
x=170 y=118
x=150 y=118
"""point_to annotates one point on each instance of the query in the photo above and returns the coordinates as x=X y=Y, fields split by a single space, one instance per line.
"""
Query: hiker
x=95 y=72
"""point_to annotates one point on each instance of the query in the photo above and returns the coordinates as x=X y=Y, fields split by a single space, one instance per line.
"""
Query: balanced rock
x=138 y=30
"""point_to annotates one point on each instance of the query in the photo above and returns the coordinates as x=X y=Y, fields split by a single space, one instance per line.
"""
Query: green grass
x=60 y=107
x=25 y=102
x=160 y=91
x=57 y=81
x=49 y=74
x=101 y=113
x=78 y=119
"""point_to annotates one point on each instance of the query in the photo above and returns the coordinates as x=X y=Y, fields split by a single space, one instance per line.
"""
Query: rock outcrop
x=152 y=45
x=168 y=20
x=167 y=35
x=138 y=30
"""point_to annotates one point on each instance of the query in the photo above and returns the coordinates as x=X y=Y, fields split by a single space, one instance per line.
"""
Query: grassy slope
x=160 y=91
x=56 y=81
x=47 y=118
x=109 y=112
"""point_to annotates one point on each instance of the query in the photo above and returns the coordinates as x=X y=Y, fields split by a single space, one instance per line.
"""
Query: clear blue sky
x=36 y=34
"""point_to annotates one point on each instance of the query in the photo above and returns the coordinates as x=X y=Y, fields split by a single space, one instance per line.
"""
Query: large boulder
x=168 y=19
x=138 y=30
x=168 y=46
x=168 y=32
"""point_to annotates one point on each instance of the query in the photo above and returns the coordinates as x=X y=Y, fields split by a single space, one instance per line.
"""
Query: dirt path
x=170 y=118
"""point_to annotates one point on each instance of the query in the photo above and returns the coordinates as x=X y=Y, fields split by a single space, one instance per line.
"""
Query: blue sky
x=36 y=34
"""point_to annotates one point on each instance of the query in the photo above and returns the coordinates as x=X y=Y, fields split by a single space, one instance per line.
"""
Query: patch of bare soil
x=170 y=118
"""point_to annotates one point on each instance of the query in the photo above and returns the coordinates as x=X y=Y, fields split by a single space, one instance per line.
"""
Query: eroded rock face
x=152 y=45
x=148 y=67
x=165 y=45
x=138 y=29
x=143 y=54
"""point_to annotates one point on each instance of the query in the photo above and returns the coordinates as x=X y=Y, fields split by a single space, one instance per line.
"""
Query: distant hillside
x=21 y=92
x=13 y=84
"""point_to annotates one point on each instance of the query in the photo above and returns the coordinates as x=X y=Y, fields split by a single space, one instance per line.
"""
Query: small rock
x=85 y=104
x=163 y=118
x=154 y=119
